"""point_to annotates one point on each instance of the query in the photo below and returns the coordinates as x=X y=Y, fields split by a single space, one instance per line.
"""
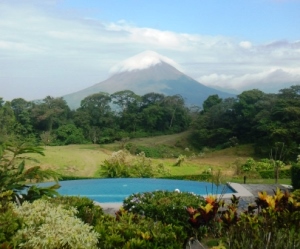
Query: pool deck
x=246 y=192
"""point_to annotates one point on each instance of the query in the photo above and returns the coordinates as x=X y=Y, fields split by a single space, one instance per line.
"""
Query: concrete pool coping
x=247 y=192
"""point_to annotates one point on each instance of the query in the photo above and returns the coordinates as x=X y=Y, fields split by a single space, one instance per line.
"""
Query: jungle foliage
x=269 y=121
x=265 y=120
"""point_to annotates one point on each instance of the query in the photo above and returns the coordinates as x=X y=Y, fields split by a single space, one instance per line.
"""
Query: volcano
x=145 y=73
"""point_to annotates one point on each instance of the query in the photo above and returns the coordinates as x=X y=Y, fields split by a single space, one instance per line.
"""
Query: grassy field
x=85 y=160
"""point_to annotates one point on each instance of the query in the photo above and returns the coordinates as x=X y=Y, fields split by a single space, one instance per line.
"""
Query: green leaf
x=21 y=167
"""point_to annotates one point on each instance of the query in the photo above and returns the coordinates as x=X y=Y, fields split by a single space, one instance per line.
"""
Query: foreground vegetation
x=33 y=217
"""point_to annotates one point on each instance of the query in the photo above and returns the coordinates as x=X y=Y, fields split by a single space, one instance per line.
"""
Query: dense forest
x=269 y=121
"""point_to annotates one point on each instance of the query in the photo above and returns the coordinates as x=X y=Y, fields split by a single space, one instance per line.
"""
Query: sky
x=57 y=47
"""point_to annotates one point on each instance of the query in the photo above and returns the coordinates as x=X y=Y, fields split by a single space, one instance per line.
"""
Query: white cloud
x=245 y=44
x=270 y=80
x=141 y=61
x=55 y=53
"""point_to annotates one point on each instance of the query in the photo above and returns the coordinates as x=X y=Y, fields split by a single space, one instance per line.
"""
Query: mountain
x=149 y=72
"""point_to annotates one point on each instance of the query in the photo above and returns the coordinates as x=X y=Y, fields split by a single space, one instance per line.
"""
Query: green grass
x=85 y=160
x=75 y=160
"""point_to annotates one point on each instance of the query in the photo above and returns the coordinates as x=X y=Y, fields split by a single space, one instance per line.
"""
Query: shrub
x=295 y=175
x=88 y=212
x=204 y=176
x=51 y=226
x=69 y=134
x=9 y=221
x=129 y=230
x=270 y=174
x=249 y=165
x=157 y=151
x=273 y=222
x=275 y=225
x=122 y=164
x=166 y=206
x=264 y=164
x=180 y=159
x=118 y=165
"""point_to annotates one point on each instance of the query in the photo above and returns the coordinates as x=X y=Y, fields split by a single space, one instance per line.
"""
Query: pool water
x=117 y=189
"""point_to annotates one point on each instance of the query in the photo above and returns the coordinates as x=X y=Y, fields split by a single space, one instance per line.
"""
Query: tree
x=176 y=113
x=211 y=101
x=150 y=99
x=95 y=116
x=129 y=105
x=215 y=126
x=246 y=109
x=14 y=176
x=50 y=113
x=22 y=110
x=7 y=120
x=277 y=155
x=126 y=100
x=69 y=134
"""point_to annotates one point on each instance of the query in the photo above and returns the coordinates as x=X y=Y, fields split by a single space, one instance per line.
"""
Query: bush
x=166 y=206
x=204 y=176
x=275 y=225
x=264 y=164
x=157 y=151
x=249 y=165
x=10 y=223
x=270 y=174
x=88 y=212
x=51 y=226
x=122 y=164
x=69 y=134
x=129 y=230
x=295 y=175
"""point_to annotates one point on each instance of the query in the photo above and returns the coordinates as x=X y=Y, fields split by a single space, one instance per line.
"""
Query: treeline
x=270 y=121
x=101 y=118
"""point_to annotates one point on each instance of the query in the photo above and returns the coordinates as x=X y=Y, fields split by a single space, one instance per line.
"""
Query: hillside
x=85 y=160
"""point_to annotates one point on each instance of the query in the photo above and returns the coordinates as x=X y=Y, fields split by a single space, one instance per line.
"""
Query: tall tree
x=22 y=110
x=50 y=113
x=7 y=120
x=176 y=113
x=211 y=101
x=129 y=105
x=95 y=116
x=246 y=109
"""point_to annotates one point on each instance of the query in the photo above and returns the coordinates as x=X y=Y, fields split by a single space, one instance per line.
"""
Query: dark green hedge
x=200 y=177
x=269 y=174
x=295 y=176
x=68 y=178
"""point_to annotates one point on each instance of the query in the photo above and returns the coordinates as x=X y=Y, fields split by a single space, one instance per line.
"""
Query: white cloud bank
x=46 y=52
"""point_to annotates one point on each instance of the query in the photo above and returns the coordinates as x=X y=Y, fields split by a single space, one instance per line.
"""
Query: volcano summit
x=148 y=72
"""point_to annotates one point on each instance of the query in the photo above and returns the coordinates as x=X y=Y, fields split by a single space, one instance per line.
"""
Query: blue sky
x=55 y=47
x=258 y=20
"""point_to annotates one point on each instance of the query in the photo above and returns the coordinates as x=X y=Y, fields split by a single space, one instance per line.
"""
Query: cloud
x=270 y=80
x=245 y=44
x=141 y=61
x=51 y=52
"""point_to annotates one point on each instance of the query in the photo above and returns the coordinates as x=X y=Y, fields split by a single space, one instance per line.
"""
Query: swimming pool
x=117 y=189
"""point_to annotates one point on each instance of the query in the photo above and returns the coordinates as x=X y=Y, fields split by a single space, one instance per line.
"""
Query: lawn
x=73 y=160
x=85 y=160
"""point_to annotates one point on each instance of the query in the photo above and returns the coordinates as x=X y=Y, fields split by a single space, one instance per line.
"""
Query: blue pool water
x=117 y=189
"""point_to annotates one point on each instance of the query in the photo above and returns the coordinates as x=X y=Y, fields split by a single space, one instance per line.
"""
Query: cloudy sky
x=56 y=47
